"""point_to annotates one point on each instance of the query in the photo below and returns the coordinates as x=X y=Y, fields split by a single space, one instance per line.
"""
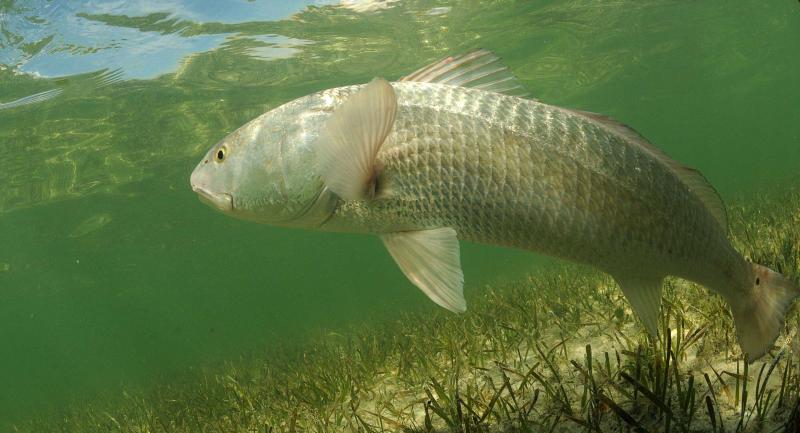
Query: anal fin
x=644 y=294
x=430 y=259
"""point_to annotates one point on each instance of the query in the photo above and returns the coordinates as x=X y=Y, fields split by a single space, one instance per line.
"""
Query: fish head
x=266 y=171
x=211 y=181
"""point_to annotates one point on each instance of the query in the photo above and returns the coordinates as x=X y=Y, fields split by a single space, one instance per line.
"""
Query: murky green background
x=113 y=274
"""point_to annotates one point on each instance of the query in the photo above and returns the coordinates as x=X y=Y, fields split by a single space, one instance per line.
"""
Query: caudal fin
x=759 y=316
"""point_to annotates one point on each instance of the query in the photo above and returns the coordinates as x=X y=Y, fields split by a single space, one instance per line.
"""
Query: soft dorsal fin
x=479 y=69
x=351 y=138
x=693 y=179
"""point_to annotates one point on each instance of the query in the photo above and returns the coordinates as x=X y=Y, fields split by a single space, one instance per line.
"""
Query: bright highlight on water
x=452 y=151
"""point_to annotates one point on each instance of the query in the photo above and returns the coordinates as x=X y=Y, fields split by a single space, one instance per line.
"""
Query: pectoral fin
x=644 y=294
x=430 y=259
x=349 y=142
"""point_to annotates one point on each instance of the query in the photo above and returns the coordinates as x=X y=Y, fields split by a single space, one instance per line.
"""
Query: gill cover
x=267 y=168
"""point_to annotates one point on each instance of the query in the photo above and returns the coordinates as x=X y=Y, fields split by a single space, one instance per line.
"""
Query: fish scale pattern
x=516 y=172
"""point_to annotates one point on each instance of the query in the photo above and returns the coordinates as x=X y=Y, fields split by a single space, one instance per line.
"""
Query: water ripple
x=31 y=99
x=107 y=77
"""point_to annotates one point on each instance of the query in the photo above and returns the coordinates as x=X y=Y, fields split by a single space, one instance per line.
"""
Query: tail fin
x=759 y=316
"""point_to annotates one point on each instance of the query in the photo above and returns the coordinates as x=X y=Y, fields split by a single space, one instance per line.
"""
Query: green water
x=113 y=274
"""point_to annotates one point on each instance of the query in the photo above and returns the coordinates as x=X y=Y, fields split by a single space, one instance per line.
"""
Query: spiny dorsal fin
x=479 y=69
x=693 y=179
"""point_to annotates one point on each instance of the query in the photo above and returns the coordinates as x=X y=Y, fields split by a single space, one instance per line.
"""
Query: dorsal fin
x=693 y=179
x=479 y=69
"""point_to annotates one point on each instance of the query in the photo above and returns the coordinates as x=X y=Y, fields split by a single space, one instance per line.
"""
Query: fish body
x=423 y=162
x=515 y=172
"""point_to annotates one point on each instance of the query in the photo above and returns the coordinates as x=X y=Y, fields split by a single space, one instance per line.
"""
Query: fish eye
x=220 y=154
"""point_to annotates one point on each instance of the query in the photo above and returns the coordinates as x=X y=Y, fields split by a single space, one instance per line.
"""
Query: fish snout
x=221 y=201
x=218 y=200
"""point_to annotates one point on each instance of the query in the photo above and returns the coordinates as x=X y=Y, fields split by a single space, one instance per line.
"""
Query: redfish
x=455 y=151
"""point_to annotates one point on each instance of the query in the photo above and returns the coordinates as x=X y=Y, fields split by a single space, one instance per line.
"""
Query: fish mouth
x=221 y=201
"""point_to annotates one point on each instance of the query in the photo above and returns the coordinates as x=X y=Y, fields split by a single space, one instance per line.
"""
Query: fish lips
x=221 y=201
